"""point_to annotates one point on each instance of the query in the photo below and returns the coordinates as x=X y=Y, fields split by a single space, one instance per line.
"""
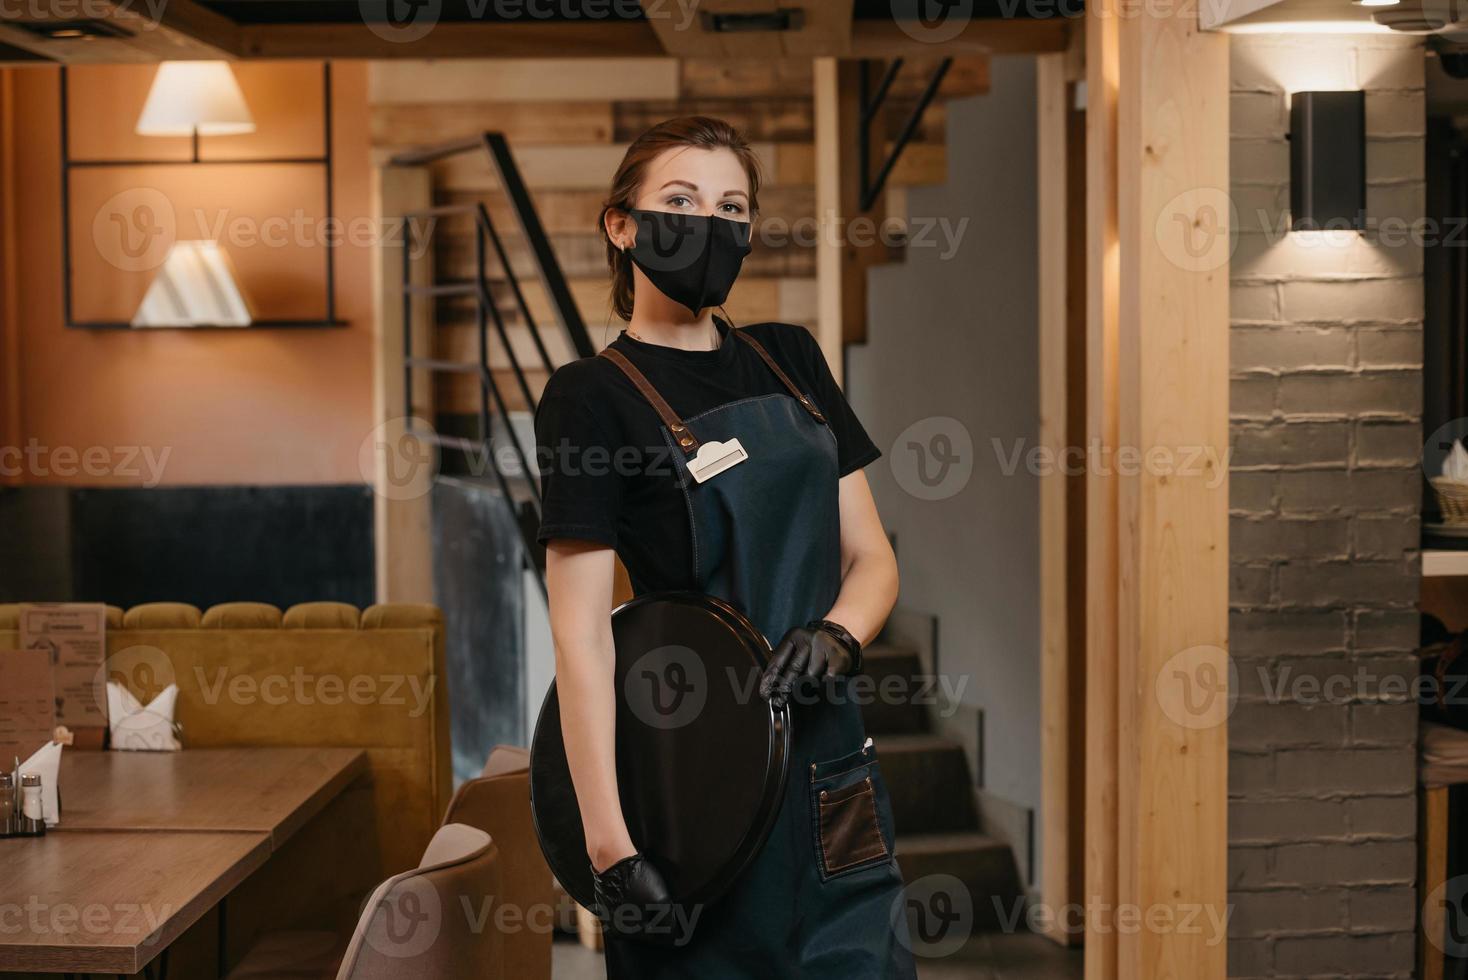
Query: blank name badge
x=714 y=458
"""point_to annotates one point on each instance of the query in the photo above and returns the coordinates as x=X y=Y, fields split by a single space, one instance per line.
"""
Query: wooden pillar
x=1159 y=545
x=842 y=256
x=1102 y=282
x=401 y=483
x=1062 y=590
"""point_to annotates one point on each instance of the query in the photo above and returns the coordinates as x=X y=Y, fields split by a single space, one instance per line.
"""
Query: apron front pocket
x=848 y=828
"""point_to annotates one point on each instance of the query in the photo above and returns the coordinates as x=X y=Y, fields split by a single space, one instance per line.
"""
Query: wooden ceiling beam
x=886 y=39
x=155 y=30
x=590 y=39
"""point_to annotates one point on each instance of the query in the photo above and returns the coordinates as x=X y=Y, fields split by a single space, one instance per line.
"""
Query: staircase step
x=895 y=706
x=928 y=779
x=984 y=865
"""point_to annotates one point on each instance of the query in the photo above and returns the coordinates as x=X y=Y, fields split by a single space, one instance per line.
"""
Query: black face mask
x=693 y=259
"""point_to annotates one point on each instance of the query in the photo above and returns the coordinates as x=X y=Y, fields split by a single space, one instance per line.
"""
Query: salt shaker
x=32 y=816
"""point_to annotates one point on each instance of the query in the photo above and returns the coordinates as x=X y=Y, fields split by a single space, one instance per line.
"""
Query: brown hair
x=701 y=132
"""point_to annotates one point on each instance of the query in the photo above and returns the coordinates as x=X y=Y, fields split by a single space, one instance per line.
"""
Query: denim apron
x=823 y=899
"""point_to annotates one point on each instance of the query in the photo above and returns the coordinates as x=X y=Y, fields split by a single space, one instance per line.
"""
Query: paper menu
x=75 y=636
x=27 y=704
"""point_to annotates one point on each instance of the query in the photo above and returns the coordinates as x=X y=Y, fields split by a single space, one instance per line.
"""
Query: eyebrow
x=694 y=187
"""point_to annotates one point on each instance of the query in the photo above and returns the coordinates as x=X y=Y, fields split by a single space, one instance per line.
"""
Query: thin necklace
x=637 y=336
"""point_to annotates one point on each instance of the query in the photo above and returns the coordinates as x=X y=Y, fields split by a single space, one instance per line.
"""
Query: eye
x=680 y=201
x=731 y=207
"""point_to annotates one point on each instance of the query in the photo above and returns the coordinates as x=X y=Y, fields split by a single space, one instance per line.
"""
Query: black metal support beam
x=871 y=187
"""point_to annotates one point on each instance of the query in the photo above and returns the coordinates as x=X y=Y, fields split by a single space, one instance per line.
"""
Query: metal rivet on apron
x=676 y=427
x=685 y=442
x=824 y=794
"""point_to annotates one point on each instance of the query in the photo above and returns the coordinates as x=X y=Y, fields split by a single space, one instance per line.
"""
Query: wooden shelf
x=1441 y=564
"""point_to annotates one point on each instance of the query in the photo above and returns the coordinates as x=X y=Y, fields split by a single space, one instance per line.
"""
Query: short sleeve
x=854 y=448
x=581 y=492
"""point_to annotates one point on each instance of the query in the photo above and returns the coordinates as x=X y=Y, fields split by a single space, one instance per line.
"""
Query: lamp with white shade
x=196 y=285
x=195 y=98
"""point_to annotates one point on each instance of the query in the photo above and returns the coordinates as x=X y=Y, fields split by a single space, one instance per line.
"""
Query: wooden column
x=1159 y=312
x=1062 y=496
x=401 y=502
x=1102 y=283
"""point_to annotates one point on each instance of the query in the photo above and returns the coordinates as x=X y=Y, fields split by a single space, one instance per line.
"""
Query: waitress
x=783 y=527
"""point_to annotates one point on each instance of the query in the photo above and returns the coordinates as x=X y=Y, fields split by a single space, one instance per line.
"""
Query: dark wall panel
x=205 y=545
x=478 y=583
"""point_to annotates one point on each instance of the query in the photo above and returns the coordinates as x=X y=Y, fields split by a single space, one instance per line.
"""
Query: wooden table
x=112 y=902
x=150 y=842
x=263 y=790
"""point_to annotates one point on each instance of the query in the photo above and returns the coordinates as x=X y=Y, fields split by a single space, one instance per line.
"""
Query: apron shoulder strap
x=800 y=396
x=687 y=441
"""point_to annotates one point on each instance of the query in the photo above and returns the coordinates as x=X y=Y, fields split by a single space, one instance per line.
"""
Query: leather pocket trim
x=850 y=834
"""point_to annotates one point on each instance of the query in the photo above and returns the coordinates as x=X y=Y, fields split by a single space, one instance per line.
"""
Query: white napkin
x=1455 y=464
x=46 y=762
x=136 y=728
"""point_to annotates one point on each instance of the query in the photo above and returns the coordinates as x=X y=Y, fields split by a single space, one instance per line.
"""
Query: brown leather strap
x=685 y=438
x=800 y=396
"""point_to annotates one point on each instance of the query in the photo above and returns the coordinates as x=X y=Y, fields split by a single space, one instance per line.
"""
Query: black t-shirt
x=606 y=472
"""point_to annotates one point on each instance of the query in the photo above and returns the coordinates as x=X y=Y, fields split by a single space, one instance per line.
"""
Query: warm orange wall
x=253 y=406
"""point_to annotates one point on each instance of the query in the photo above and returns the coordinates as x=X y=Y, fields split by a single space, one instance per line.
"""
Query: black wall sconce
x=1328 y=161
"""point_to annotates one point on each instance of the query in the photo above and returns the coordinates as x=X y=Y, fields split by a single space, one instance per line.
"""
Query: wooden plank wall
x=569 y=122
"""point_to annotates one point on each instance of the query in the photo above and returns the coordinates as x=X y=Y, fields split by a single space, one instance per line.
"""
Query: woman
x=789 y=534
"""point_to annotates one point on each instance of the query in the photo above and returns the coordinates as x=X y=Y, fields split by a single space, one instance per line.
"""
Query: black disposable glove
x=807 y=651
x=632 y=901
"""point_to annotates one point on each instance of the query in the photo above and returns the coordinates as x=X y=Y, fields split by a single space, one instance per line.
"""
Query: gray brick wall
x=1325 y=432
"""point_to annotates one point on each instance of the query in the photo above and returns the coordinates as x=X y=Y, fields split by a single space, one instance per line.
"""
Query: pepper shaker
x=32 y=816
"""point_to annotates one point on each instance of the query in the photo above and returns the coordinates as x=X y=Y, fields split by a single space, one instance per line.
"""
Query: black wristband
x=842 y=636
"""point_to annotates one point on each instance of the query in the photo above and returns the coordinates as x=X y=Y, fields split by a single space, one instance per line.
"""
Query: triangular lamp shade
x=196 y=287
x=190 y=96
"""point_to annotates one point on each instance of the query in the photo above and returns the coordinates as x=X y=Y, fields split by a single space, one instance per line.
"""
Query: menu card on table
x=27 y=704
x=74 y=634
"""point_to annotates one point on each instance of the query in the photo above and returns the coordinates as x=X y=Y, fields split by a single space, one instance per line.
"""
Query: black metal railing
x=870 y=104
x=522 y=492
